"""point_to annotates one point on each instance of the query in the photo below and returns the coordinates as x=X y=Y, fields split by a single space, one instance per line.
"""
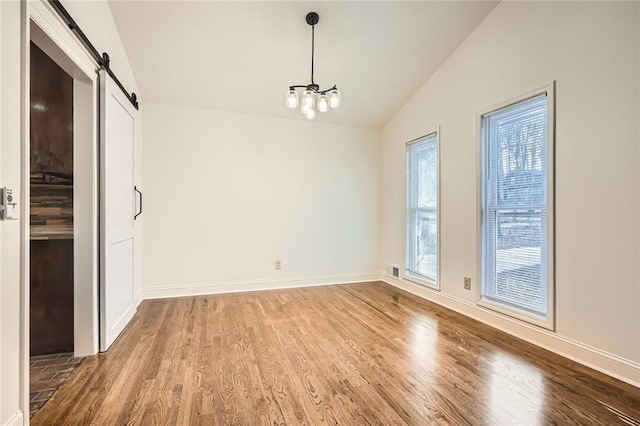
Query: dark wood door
x=51 y=115
x=51 y=296
x=51 y=127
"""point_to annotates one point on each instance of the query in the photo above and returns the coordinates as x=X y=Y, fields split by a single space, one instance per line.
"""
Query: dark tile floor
x=46 y=374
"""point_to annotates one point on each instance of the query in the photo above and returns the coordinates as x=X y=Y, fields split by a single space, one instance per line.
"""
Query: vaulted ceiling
x=242 y=56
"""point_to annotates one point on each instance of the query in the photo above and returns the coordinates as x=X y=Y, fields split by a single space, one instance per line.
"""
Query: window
x=422 y=210
x=517 y=213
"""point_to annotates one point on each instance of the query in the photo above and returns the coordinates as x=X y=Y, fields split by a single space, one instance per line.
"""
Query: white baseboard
x=200 y=289
x=15 y=420
x=623 y=369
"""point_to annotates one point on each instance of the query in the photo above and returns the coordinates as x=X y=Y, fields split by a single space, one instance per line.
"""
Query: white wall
x=10 y=177
x=227 y=194
x=95 y=18
x=591 y=50
x=638 y=191
x=1 y=239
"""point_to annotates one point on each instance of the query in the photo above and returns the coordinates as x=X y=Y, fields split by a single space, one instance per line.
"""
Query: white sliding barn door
x=117 y=205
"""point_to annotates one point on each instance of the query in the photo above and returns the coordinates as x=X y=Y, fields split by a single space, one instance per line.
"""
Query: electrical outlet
x=278 y=265
x=467 y=283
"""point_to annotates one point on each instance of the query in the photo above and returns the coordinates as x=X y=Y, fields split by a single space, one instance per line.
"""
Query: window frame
x=547 y=322
x=410 y=275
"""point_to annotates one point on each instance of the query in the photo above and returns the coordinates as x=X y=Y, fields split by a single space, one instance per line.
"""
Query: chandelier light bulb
x=323 y=103
x=310 y=114
x=334 y=98
x=308 y=99
x=292 y=99
x=304 y=108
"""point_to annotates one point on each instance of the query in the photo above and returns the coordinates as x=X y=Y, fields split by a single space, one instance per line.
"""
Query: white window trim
x=547 y=322
x=410 y=275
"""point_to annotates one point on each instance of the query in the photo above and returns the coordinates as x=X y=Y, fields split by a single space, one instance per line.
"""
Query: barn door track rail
x=102 y=60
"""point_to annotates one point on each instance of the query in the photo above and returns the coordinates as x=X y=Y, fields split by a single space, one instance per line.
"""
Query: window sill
x=425 y=282
x=543 y=322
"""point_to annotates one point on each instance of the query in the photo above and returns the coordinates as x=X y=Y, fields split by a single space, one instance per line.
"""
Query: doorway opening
x=63 y=221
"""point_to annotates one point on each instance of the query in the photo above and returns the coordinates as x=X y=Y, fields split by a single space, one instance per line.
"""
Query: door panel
x=117 y=129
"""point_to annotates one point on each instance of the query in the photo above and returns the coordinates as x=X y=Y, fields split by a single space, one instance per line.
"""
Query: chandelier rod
x=313 y=47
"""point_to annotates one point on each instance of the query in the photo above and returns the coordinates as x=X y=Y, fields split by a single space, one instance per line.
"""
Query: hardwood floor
x=350 y=354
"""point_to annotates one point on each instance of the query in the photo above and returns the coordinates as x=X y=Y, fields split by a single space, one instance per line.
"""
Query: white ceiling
x=242 y=56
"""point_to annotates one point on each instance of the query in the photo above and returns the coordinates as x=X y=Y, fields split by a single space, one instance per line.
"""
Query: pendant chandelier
x=313 y=99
